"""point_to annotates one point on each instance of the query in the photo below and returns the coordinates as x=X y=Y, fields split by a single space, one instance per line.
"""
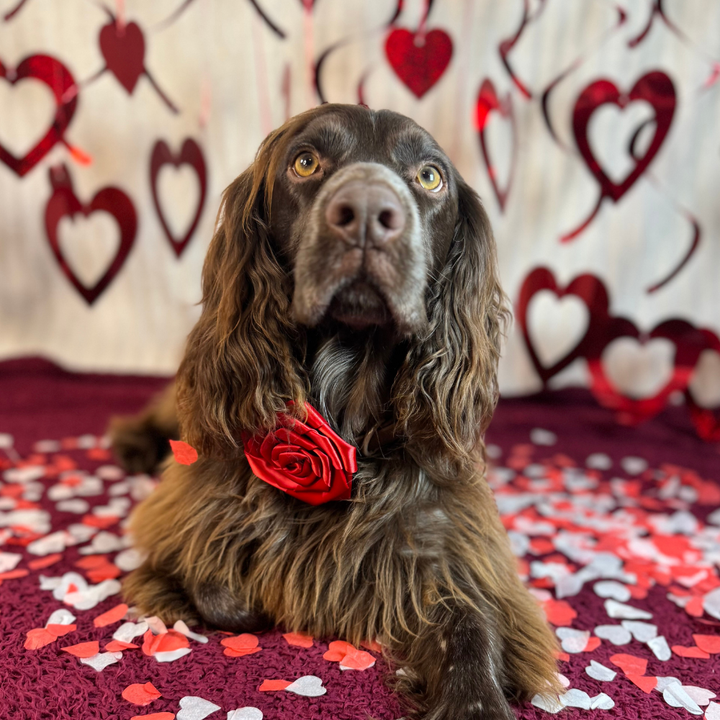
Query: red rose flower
x=304 y=459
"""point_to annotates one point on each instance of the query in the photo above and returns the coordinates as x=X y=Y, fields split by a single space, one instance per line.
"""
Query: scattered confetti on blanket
x=617 y=531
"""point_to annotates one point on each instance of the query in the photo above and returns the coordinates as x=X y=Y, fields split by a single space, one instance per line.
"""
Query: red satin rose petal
x=298 y=640
x=273 y=685
x=141 y=694
x=83 y=650
x=185 y=454
x=690 y=652
x=37 y=638
x=629 y=664
x=111 y=616
x=646 y=683
x=708 y=643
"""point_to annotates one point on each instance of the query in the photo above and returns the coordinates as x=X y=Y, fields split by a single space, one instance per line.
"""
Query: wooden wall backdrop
x=589 y=128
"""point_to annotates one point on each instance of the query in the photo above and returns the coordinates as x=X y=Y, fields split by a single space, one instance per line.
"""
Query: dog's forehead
x=356 y=134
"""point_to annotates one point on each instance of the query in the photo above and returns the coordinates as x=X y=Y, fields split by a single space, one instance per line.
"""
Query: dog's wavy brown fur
x=419 y=559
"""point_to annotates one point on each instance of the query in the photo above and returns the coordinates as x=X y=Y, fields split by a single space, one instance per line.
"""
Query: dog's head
x=353 y=223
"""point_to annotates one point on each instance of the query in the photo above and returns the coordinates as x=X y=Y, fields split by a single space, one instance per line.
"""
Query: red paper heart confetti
x=645 y=683
x=559 y=612
x=240 y=645
x=357 y=660
x=141 y=693
x=690 y=652
x=164 y=642
x=708 y=643
x=184 y=454
x=297 y=640
x=111 y=616
x=83 y=650
x=38 y=638
x=274 y=685
x=337 y=650
x=629 y=664
x=119 y=646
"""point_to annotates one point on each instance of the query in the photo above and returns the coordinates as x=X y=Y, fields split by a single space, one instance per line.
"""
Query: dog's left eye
x=306 y=164
x=429 y=177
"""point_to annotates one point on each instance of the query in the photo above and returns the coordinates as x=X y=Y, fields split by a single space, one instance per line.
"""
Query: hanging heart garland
x=64 y=203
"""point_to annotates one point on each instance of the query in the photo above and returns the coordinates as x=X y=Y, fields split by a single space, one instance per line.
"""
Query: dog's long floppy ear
x=239 y=368
x=447 y=388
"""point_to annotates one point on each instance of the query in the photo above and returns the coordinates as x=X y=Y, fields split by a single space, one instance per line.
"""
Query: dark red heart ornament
x=689 y=343
x=419 y=59
x=655 y=88
x=123 y=47
x=705 y=420
x=57 y=77
x=190 y=154
x=487 y=103
x=64 y=203
x=586 y=287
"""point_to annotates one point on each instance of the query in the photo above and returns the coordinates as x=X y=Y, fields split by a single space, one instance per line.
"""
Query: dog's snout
x=363 y=214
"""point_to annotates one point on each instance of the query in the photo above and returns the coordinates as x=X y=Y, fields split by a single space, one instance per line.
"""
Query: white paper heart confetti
x=676 y=696
x=183 y=629
x=550 y=705
x=573 y=641
x=713 y=711
x=661 y=649
x=711 y=603
x=602 y=702
x=61 y=617
x=171 y=655
x=616 y=634
x=612 y=589
x=100 y=661
x=598 y=461
x=307 y=686
x=700 y=695
x=598 y=671
x=633 y=465
x=195 y=708
x=129 y=630
x=627 y=612
x=641 y=631
x=576 y=698
x=538 y=436
x=246 y=713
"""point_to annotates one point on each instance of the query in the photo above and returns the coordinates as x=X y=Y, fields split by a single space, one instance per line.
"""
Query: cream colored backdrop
x=233 y=79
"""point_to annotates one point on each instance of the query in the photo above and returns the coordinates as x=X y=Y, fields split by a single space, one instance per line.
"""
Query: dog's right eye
x=306 y=164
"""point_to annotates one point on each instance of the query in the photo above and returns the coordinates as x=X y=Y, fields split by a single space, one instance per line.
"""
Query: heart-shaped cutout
x=495 y=122
x=610 y=132
x=246 y=713
x=58 y=79
x=656 y=89
x=639 y=370
x=89 y=243
x=557 y=325
x=123 y=48
x=179 y=187
x=28 y=110
x=63 y=203
x=419 y=59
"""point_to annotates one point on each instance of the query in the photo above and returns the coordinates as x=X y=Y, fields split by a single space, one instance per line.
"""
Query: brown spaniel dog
x=355 y=270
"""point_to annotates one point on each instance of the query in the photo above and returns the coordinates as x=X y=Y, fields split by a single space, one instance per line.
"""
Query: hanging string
x=309 y=53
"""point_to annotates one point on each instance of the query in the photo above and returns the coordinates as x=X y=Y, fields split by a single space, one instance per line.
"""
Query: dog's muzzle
x=363 y=259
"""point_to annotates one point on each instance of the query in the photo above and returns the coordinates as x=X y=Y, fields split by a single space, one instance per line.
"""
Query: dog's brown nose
x=365 y=215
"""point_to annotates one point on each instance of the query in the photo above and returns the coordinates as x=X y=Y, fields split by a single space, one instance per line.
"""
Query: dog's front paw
x=138 y=447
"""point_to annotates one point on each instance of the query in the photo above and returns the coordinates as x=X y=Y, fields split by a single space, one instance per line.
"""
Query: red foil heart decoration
x=488 y=103
x=593 y=294
x=123 y=48
x=705 y=420
x=689 y=343
x=655 y=88
x=190 y=154
x=418 y=59
x=64 y=203
x=57 y=77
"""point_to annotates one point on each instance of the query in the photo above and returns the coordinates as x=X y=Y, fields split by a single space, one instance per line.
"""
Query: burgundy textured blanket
x=615 y=528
